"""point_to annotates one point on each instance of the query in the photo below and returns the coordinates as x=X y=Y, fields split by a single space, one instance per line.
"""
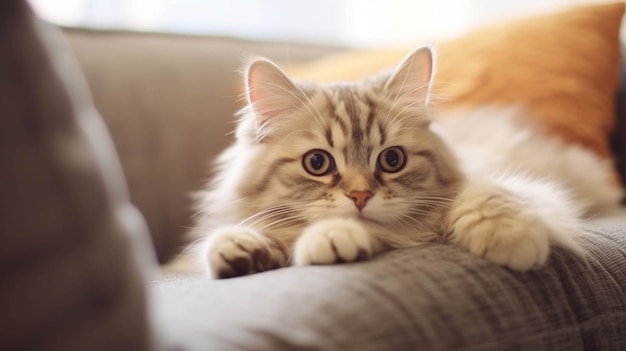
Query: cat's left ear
x=270 y=92
x=412 y=79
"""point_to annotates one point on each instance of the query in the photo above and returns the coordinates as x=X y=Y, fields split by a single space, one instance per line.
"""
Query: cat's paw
x=333 y=241
x=236 y=251
x=500 y=227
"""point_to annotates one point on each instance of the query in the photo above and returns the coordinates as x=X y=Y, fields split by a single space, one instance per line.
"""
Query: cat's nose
x=360 y=198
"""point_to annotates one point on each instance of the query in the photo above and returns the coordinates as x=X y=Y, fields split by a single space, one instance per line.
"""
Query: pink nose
x=360 y=198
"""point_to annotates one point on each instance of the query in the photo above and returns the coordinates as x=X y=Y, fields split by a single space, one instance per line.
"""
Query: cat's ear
x=412 y=79
x=269 y=91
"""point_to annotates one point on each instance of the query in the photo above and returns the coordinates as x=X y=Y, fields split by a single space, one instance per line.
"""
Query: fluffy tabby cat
x=322 y=174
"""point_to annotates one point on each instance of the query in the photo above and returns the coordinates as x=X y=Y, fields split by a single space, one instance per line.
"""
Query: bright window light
x=360 y=23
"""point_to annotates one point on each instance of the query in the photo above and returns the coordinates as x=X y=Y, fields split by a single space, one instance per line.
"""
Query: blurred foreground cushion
x=71 y=244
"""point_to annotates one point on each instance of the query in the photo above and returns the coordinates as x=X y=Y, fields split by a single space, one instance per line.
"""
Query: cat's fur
x=482 y=180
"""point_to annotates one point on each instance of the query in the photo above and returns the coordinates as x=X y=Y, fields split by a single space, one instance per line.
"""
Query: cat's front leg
x=237 y=250
x=512 y=225
x=335 y=240
x=493 y=223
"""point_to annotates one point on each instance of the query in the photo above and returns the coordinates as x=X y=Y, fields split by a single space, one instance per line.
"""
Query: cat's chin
x=365 y=218
x=368 y=220
x=372 y=216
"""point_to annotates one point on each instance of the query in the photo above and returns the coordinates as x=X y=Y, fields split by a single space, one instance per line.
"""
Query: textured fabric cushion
x=434 y=297
x=69 y=277
x=562 y=67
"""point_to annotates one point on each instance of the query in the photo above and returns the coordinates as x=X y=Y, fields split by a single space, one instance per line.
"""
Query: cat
x=323 y=174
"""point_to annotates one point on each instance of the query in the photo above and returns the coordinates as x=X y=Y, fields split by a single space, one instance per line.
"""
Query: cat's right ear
x=413 y=78
x=270 y=92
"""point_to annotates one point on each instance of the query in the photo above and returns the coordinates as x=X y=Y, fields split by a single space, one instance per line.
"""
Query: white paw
x=332 y=241
x=236 y=251
x=500 y=227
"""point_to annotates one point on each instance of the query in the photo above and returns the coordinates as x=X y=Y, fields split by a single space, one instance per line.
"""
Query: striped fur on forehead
x=362 y=112
x=368 y=117
x=350 y=110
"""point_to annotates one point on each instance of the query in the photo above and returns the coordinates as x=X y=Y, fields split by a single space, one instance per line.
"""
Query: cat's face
x=350 y=150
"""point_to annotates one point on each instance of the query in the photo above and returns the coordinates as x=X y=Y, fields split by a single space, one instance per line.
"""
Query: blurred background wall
x=352 y=23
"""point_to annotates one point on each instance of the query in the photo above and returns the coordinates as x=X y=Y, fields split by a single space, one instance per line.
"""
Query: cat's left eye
x=392 y=159
x=318 y=162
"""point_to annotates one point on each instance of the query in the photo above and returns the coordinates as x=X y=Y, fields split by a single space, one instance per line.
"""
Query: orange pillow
x=562 y=67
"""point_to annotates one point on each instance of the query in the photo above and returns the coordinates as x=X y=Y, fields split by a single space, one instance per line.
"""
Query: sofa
x=105 y=134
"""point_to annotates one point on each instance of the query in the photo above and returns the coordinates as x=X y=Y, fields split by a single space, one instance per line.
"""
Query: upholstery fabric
x=434 y=297
x=561 y=67
x=70 y=276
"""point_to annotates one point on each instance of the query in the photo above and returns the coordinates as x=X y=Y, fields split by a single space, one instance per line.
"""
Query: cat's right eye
x=392 y=159
x=318 y=162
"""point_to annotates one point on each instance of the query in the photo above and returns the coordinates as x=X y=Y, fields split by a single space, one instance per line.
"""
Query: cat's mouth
x=362 y=217
x=354 y=214
x=367 y=215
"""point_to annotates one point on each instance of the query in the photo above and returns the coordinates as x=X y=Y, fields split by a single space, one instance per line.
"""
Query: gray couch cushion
x=69 y=279
x=434 y=297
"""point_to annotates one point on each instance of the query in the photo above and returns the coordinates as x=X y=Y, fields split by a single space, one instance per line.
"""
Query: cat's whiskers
x=419 y=200
x=430 y=198
x=405 y=226
x=420 y=216
x=428 y=210
x=418 y=213
x=287 y=222
x=253 y=220
x=268 y=213
x=414 y=225
x=283 y=215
